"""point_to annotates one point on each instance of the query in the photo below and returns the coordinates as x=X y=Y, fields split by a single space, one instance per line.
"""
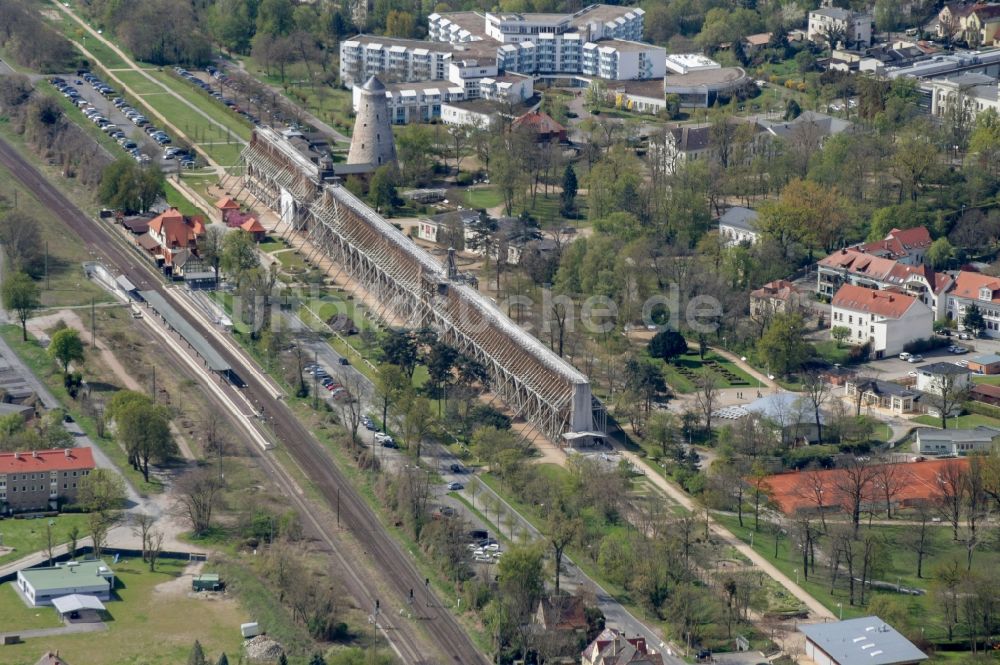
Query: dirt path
x=65 y=8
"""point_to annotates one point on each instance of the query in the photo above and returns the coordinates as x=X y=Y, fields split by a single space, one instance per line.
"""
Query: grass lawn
x=478 y=197
x=152 y=621
x=177 y=200
x=202 y=100
x=224 y=154
x=138 y=82
x=961 y=422
x=29 y=536
x=67 y=283
x=15 y=615
x=900 y=566
x=104 y=55
x=682 y=374
x=546 y=210
x=194 y=125
x=831 y=352
x=987 y=379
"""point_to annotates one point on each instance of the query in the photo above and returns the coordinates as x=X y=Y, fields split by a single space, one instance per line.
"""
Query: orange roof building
x=887 y=320
x=798 y=491
x=542 y=124
x=227 y=203
x=172 y=230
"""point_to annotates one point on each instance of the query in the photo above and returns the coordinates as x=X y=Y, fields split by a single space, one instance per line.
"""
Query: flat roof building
x=864 y=641
x=40 y=586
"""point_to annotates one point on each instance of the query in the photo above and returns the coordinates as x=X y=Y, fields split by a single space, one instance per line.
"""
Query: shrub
x=465 y=179
x=928 y=344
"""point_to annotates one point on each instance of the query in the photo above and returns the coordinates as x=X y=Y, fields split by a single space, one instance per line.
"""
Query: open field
x=177 y=200
x=29 y=536
x=225 y=154
x=139 y=83
x=960 y=422
x=194 y=125
x=203 y=101
x=15 y=615
x=153 y=621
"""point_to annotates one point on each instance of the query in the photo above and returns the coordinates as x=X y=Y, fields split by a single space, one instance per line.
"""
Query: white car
x=904 y=356
x=492 y=547
x=381 y=437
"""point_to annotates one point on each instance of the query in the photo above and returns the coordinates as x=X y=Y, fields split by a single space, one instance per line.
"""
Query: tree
x=382 y=190
x=66 y=347
x=21 y=295
x=131 y=187
x=783 y=345
x=417 y=421
x=211 y=246
x=949 y=494
x=399 y=347
x=224 y=659
x=102 y=493
x=198 y=493
x=946 y=393
x=973 y=320
x=522 y=579
x=197 y=656
x=239 y=254
x=569 y=189
x=21 y=237
x=668 y=345
x=817 y=392
x=807 y=215
x=940 y=253
x=854 y=486
x=144 y=432
x=840 y=334
x=706 y=397
x=391 y=384
x=561 y=531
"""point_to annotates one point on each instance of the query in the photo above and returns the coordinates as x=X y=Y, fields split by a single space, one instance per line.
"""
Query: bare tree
x=349 y=405
x=142 y=526
x=853 y=484
x=812 y=487
x=918 y=539
x=946 y=392
x=976 y=506
x=889 y=482
x=817 y=392
x=706 y=397
x=949 y=495
x=198 y=494
x=154 y=547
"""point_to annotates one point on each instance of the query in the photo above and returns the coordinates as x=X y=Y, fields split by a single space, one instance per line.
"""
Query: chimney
x=17 y=455
x=34 y=454
x=69 y=455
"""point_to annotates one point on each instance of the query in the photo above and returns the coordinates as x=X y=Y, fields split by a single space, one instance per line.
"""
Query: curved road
x=398 y=572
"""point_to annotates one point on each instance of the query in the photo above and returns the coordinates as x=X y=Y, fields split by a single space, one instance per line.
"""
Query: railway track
x=398 y=574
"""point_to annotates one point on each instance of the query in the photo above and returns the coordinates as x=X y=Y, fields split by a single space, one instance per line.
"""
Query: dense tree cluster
x=31 y=42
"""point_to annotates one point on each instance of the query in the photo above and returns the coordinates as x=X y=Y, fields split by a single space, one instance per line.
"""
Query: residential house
x=809 y=128
x=886 y=320
x=689 y=143
x=892 y=397
x=40 y=586
x=985 y=393
x=983 y=291
x=738 y=225
x=855 y=27
x=172 y=241
x=518 y=246
x=754 y=43
x=935 y=378
x=851 y=266
x=988 y=363
x=982 y=28
x=777 y=297
x=611 y=647
x=42 y=479
x=792 y=416
x=907 y=246
x=933 y=441
x=863 y=641
x=562 y=613
x=453 y=228
x=545 y=129
x=640 y=96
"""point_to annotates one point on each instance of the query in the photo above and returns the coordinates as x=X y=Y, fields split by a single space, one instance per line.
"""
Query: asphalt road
x=398 y=572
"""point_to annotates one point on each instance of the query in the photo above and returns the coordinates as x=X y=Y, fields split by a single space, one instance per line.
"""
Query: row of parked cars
x=337 y=390
x=222 y=78
x=94 y=115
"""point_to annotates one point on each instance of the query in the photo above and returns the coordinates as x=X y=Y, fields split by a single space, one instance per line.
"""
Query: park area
x=152 y=619
x=686 y=371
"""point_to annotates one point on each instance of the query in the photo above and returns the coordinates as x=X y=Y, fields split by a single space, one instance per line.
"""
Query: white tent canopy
x=76 y=602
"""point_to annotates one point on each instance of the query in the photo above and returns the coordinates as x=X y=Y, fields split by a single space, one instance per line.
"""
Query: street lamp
x=841 y=606
x=796 y=575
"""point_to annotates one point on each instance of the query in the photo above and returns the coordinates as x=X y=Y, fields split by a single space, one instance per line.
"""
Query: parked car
x=916 y=359
x=905 y=356
x=455 y=486
x=456 y=468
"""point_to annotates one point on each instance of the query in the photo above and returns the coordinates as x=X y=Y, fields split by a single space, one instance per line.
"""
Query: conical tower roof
x=373 y=85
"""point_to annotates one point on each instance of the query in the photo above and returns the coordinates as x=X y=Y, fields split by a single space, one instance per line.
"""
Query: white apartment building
x=424 y=101
x=886 y=320
x=856 y=27
x=393 y=60
x=619 y=60
x=983 y=291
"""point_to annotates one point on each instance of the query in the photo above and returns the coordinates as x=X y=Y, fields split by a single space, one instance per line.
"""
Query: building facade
x=43 y=479
x=982 y=291
x=888 y=321
x=41 y=585
x=854 y=267
x=737 y=226
x=372 y=141
x=855 y=27
x=933 y=441
x=967 y=94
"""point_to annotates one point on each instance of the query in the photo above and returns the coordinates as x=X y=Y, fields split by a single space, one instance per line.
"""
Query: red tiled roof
x=226 y=203
x=986 y=12
x=898 y=243
x=760 y=39
x=779 y=288
x=793 y=491
x=67 y=459
x=540 y=123
x=235 y=218
x=967 y=285
x=871 y=301
x=856 y=262
x=252 y=226
x=986 y=389
x=177 y=230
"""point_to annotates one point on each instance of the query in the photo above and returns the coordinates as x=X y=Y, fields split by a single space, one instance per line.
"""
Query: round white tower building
x=372 y=141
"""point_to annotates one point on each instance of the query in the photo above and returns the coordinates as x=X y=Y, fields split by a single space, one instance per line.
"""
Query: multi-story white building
x=393 y=60
x=886 y=320
x=970 y=91
x=424 y=101
x=856 y=27
x=983 y=291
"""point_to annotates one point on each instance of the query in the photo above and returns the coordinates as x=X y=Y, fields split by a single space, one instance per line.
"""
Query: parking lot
x=92 y=103
x=894 y=368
